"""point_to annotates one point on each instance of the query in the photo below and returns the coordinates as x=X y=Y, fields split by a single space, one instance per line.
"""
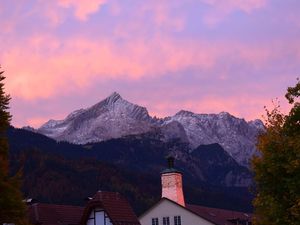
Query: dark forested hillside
x=59 y=172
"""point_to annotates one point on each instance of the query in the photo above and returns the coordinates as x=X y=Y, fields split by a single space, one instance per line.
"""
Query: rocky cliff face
x=111 y=118
x=115 y=117
x=235 y=135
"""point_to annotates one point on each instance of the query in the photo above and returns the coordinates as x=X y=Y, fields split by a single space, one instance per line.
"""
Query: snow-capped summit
x=115 y=117
x=112 y=117
x=235 y=135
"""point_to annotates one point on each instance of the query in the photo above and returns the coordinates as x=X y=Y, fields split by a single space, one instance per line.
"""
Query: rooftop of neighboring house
x=221 y=216
x=115 y=205
x=52 y=214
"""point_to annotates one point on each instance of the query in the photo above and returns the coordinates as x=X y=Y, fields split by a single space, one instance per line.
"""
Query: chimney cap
x=171 y=168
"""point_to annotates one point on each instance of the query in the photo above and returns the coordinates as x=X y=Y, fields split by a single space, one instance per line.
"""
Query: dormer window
x=98 y=217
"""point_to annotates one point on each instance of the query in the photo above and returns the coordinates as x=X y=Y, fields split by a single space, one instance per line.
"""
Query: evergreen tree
x=12 y=209
x=277 y=169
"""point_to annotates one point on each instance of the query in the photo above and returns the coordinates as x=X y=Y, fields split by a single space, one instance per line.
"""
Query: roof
x=213 y=215
x=50 y=214
x=221 y=216
x=116 y=206
x=170 y=170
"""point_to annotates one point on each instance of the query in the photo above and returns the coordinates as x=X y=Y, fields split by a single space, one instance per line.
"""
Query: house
x=104 y=208
x=171 y=209
x=168 y=212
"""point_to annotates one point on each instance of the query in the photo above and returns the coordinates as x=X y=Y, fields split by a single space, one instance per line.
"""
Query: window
x=98 y=217
x=166 y=221
x=154 y=221
x=177 y=220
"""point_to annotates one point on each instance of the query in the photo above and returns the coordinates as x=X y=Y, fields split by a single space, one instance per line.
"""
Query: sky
x=205 y=56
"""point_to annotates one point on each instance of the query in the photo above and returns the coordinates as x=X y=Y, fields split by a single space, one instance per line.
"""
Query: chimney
x=171 y=181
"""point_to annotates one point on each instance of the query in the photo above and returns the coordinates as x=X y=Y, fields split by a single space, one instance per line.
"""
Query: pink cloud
x=56 y=17
x=163 y=14
x=82 y=8
x=232 y=5
x=222 y=8
x=45 y=66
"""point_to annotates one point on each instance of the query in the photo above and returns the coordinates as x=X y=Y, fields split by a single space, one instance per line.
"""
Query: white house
x=167 y=212
x=171 y=209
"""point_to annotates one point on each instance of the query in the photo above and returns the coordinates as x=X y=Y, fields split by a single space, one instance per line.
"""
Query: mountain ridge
x=116 y=117
x=131 y=165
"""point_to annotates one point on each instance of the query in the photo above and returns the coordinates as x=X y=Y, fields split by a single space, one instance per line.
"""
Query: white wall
x=168 y=209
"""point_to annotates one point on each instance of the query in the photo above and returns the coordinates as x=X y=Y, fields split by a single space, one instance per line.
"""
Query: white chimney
x=171 y=181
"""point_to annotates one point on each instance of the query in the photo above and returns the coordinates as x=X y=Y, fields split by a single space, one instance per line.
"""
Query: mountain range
x=65 y=173
x=115 y=117
x=116 y=145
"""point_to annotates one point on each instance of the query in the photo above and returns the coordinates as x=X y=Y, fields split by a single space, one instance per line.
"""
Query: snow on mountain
x=115 y=117
x=235 y=135
x=111 y=118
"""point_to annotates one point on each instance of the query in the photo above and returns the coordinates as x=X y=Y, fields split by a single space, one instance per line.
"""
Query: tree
x=12 y=209
x=277 y=169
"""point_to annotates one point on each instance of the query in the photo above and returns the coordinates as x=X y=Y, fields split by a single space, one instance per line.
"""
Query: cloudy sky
x=205 y=56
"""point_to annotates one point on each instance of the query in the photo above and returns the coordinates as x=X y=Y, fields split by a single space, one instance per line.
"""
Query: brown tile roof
x=50 y=214
x=221 y=216
x=116 y=206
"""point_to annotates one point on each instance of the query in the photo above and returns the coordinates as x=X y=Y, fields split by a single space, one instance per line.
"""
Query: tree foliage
x=277 y=169
x=12 y=209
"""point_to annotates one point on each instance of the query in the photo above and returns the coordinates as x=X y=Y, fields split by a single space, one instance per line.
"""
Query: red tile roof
x=50 y=214
x=221 y=216
x=116 y=207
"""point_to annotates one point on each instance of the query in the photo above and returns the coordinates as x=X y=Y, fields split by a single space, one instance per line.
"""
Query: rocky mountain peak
x=115 y=117
x=112 y=117
x=257 y=124
x=116 y=106
x=115 y=96
x=108 y=103
x=184 y=113
x=224 y=114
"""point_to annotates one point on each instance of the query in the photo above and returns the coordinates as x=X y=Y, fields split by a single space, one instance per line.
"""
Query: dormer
x=108 y=208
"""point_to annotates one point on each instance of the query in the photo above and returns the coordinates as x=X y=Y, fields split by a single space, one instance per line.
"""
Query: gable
x=116 y=208
x=167 y=208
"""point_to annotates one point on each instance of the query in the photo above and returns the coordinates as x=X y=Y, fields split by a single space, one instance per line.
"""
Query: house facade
x=167 y=212
x=171 y=209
